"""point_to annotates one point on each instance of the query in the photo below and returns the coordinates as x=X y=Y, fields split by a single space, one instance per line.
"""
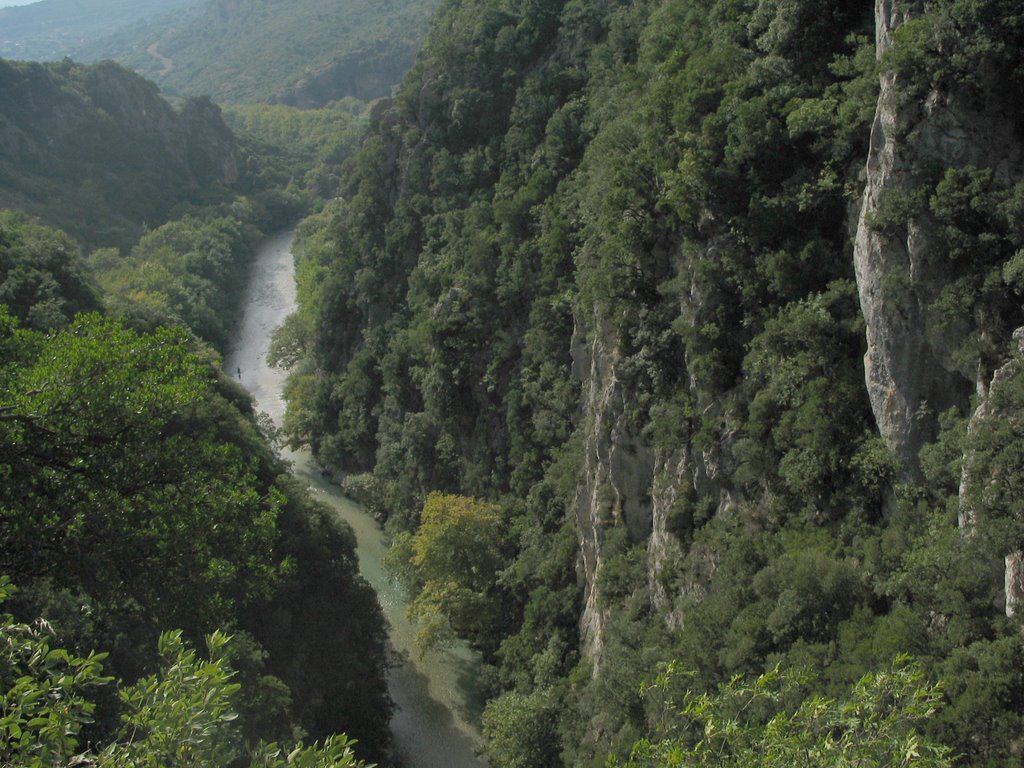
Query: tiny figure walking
x=239 y=374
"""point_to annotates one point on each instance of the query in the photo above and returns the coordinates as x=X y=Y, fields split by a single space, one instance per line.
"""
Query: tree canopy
x=183 y=715
x=761 y=723
x=137 y=496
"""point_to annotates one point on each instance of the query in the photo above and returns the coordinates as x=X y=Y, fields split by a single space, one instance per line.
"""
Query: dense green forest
x=304 y=52
x=140 y=495
x=142 y=505
x=692 y=387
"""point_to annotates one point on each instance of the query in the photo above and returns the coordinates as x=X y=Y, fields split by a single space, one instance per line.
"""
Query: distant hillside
x=304 y=52
x=95 y=151
x=52 y=29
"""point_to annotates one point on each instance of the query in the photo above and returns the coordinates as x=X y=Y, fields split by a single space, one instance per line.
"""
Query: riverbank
x=436 y=694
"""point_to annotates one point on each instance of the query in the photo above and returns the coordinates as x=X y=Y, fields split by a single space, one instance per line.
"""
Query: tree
x=765 y=723
x=456 y=554
x=115 y=480
x=182 y=717
x=43 y=280
x=520 y=731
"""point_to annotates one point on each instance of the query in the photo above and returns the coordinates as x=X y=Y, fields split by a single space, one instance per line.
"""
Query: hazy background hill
x=305 y=52
x=53 y=29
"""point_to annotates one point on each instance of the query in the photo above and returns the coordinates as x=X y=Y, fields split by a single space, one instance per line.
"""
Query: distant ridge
x=49 y=30
x=303 y=52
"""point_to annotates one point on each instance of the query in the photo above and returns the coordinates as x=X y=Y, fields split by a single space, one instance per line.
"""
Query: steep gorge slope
x=96 y=151
x=618 y=266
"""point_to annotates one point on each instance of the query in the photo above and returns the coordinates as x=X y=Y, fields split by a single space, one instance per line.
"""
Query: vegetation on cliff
x=594 y=265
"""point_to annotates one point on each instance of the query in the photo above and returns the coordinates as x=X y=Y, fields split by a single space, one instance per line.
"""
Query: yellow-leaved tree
x=453 y=562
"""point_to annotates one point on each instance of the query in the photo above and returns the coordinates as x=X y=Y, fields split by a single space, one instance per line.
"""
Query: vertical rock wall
x=627 y=483
x=906 y=379
x=911 y=373
x=614 y=487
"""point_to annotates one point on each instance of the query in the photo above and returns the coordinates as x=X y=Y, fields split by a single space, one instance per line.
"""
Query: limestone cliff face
x=211 y=149
x=914 y=365
x=627 y=483
x=911 y=374
x=664 y=553
x=614 y=486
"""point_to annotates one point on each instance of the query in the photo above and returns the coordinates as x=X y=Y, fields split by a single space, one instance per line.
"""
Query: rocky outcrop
x=1013 y=583
x=617 y=472
x=626 y=483
x=212 y=152
x=196 y=137
x=903 y=374
x=664 y=551
x=910 y=370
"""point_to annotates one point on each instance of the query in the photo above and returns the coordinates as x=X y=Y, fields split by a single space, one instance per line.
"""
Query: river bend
x=432 y=727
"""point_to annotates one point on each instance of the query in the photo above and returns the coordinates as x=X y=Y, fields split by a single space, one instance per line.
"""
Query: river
x=433 y=725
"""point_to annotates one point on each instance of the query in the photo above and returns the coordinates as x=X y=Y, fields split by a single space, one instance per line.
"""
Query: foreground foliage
x=757 y=723
x=181 y=716
x=137 y=495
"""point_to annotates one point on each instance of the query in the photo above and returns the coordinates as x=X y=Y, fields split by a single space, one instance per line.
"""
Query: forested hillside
x=304 y=52
x=49 y=30
x=698 y=315
x=142 y=506
x=95 y=151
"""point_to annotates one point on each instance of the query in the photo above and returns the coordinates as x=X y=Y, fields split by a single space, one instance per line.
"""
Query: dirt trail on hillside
x=168 y=64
